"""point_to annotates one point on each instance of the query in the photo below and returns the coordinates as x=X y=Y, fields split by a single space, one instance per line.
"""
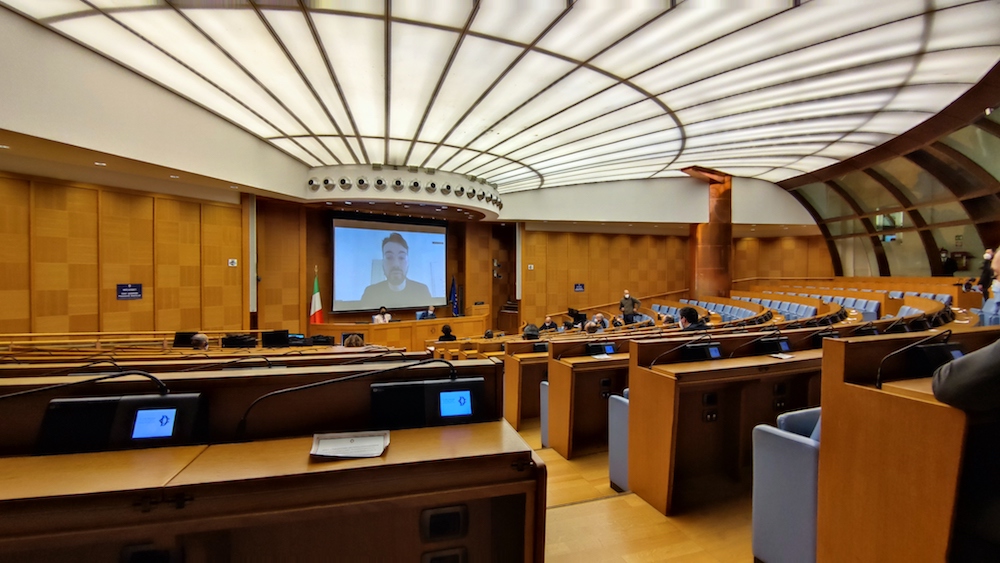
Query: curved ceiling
x=552 y=92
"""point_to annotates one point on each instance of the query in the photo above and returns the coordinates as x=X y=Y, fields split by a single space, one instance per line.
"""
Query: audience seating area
x=791 y=311
x=728 y=313
x=989 y=314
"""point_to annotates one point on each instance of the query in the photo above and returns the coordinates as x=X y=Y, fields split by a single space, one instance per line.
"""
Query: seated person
x=428 y=314
x=199 y=341
x=591 y=327
x=549 y=324
x=568 y=325
x=972 y=383
x=354 y=341
x=382 y=317
x=446 y=335
x=600 y=321
x=666 y=319
x=530 y=332
x=690 y=321
x=488 y=335
x=618 y=321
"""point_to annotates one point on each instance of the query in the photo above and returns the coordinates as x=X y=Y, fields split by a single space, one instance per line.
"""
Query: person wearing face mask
x=383 y=316
x=627 y=306
x=986 y=277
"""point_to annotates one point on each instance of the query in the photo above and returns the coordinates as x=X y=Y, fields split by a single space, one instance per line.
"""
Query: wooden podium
x=269 y=501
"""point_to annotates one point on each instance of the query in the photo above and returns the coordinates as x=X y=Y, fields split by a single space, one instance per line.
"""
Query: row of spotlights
x=399 y=185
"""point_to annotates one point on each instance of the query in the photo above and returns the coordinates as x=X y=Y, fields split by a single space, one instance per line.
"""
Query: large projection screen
x=394 y=265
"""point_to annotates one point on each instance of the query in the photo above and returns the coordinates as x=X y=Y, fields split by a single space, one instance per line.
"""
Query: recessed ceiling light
x=100 y=163
x=174 y=176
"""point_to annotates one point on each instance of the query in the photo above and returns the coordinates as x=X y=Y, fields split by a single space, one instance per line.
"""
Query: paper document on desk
x=600 y=356
x=350 y=444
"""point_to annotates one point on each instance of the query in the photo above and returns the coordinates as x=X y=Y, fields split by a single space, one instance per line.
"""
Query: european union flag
x=453 y=297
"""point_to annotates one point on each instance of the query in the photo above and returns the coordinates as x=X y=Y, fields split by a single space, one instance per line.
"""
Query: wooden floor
x=588 y=521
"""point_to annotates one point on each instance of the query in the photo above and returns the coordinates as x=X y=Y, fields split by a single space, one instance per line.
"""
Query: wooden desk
x=409 y=334
x=890 y=458
x=693 y=419
x=342 y=406
x=578 y=402
x=269 y=501
x=522 y=374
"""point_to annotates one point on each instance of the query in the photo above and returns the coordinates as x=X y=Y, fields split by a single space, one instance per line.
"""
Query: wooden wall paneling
x=618 y=265
x=177 y=243
x=223 y=301
x=479 y=267
x=305 y=288
x=126 y=247
x=558 y=292
x=15 y=255
x=279 y=299
x=533 y=282
x=319 y=254
x=820 y=264
x=746 y=254
x=65 y=259
x=502 y=243
x=578 y=270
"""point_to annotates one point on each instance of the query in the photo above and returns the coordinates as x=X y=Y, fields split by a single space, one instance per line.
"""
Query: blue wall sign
x=578 y=287
x=129 y=291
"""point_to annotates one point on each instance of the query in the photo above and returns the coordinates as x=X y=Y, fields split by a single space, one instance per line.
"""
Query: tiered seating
x=989 y=315
x=869 y=309
x=729 y=313
x=790 y=310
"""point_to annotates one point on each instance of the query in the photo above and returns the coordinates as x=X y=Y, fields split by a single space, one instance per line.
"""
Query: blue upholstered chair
x=618 y=441
x=543 y=412
x=896 y=294
x=870 y=311
x=785 y=470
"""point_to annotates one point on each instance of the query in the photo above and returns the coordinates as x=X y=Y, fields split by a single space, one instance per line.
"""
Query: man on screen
x=397 y=290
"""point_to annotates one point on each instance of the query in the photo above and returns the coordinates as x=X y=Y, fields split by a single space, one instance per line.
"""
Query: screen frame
x=381 y=223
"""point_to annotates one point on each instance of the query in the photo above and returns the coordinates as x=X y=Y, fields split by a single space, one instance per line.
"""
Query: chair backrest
x=755 y=299
x=912 y=293
x=896 y=294
x=872 y=307
x=765 y=302
x=838 y=300
x=849 y=302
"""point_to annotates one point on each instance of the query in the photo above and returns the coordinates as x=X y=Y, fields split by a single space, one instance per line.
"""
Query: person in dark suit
x=689 y=320
x=972 y=383
x=549 y=324
x=396 y=290
x=428 y=314
x=948 y=264
x=986 y=277
x=446 y=335
x=600 y=321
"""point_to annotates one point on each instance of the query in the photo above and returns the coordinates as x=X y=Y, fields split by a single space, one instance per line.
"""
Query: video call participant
x=396 y=290
x=382 y=317
x=627 y=306
x=549 y=324
x=689 y=320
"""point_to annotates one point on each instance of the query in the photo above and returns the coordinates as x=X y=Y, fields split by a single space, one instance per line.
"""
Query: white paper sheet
x=350 y=444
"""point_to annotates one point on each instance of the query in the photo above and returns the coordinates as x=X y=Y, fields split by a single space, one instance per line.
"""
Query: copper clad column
x=711 y=244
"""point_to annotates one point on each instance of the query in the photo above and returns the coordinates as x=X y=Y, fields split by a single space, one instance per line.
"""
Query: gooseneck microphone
x=878 y=374
x=675 y=348
x=162 y=387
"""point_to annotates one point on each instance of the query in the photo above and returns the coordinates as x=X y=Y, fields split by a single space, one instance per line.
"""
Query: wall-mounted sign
x=232 y=262
x=578 y=287
x=128 y=291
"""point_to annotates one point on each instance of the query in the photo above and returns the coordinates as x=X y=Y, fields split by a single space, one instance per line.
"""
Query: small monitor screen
x=609 y=348
x=956 y=354
x=784 y=345
x=456 y=403
x=713 y=352
x=153 y=423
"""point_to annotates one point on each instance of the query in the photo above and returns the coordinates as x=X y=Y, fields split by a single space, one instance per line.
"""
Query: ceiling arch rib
x=880 y=258
x=926 y=237
x=831 y=246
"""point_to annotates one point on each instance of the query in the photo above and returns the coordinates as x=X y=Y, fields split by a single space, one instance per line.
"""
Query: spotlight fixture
x=414 y=185
x=397 y=184
x=481 y=195
x=362 y=183
x=328 y=183
x=380 y=184
x=313 y=184
x=460 y=191
x=345 y=183
x=446 y=189
x=431 y=187
x=471 y=193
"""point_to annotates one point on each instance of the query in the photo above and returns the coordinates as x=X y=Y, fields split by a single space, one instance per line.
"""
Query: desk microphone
x=368 y=358
x=869 y=326
x=74 y=368
x=878 y=374
x=894 y=323
x=771 y=332
x=814 y=333
x=146 y=374
x=230 y=362
x=242 y=426
x=674 y=349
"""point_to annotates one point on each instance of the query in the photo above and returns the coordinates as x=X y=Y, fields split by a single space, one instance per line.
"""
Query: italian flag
x=316 y=307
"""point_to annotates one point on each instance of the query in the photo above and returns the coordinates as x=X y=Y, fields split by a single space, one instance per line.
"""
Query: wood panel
x=64 y=254
x=782 y=257
x=126 y=247
x=15 y=283
x=279 y=297
x=605 y=263
x=222 y=236
x=478 y=267
x=319 y=256
x=177 y=239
